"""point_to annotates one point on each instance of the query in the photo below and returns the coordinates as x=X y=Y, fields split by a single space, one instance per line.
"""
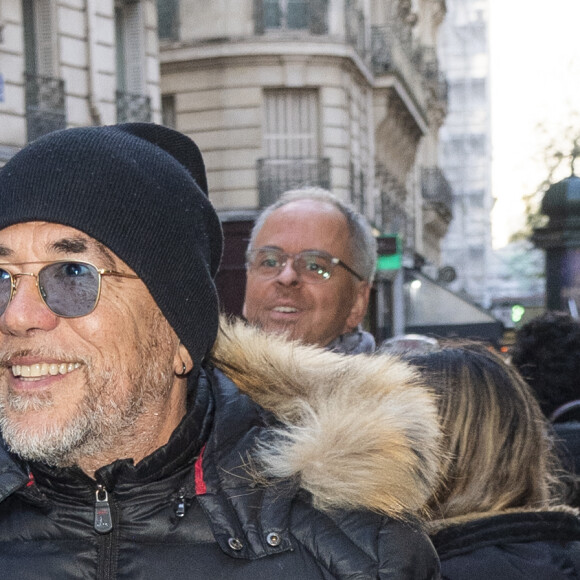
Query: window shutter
x=291 y=124
x=134 y=47
x=168 y=19
x=45 y=38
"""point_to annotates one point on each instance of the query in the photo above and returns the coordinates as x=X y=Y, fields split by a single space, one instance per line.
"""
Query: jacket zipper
x=104 y=519
x=180 y=507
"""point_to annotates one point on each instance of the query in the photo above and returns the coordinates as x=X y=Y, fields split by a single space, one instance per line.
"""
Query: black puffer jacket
x=542 y=545
x=195 y=509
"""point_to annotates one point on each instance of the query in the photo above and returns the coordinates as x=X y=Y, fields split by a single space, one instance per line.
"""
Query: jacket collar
x=356 y=432
x=467 y=533
x=247 y=520
x=12 y=475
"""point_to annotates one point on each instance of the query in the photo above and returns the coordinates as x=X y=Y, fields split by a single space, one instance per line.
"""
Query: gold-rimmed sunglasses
x=70 y=289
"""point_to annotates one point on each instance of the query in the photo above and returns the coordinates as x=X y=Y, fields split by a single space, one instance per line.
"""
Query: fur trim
x=435 y=526
x=359 y=431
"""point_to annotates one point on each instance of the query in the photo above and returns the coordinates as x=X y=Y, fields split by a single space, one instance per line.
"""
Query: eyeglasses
x=69 y=289
x=314 y=267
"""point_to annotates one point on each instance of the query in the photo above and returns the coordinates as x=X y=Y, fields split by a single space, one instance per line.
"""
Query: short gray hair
x=363 y=245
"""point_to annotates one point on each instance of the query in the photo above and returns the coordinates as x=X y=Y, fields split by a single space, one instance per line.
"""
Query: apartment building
x=344 y=94
x=466 y=147
x=67 y=63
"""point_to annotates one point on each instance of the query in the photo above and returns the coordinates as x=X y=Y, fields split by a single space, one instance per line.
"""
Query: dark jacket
x=568 y=444
x=200 y=507
x=515 y=545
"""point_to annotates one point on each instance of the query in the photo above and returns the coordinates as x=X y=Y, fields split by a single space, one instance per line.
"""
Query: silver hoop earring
x=184 y=370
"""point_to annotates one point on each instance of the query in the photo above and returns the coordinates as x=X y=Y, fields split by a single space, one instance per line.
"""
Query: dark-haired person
x=547 y=353
x=126 y=453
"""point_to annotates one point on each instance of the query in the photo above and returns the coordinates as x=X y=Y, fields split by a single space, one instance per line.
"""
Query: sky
x=535 y=99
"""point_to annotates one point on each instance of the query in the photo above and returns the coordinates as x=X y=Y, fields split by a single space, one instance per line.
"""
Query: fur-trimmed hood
x=357 y=431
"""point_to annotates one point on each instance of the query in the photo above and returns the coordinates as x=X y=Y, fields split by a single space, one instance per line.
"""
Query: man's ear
x=182 y=360
x=359 y=306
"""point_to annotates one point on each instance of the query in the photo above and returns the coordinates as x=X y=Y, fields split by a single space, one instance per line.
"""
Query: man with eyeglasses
x=310 y=265
x=128 y=451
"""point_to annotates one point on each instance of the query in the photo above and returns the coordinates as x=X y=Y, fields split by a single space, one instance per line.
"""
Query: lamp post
x=560 y=238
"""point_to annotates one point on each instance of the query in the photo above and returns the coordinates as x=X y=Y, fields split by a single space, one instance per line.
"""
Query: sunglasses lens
x=69 y=289
x=5 y=289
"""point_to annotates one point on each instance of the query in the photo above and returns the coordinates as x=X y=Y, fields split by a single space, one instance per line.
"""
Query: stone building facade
x=345 y=94
x=67 y=63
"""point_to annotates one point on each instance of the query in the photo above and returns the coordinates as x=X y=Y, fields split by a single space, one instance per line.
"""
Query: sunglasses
x=69 y=289
x=313 y=267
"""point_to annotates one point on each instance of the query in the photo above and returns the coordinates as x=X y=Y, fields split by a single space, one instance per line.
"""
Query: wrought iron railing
x=45 y=105
x=133 y=108
x=381 y=50
x=275 y=176
x=432 y=75
x=389 y=54
x=437 y=192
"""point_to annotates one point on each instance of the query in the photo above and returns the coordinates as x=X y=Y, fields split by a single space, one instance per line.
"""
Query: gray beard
x=102 y=419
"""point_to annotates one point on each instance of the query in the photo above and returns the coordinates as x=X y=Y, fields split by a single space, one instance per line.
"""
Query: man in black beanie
x=135 y=445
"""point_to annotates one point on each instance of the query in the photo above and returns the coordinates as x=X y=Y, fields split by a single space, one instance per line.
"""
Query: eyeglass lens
x=313 y=267
x=69 y=289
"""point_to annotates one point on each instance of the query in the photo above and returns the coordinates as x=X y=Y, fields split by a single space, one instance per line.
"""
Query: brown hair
x=497 y=449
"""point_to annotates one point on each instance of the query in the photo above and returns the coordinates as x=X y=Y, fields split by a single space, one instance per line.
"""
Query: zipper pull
x=103 y=520
x=180 y=509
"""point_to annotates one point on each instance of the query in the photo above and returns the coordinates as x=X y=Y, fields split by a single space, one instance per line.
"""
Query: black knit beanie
x=140 y=189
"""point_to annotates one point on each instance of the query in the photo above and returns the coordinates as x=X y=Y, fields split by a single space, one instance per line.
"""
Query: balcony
x=391 y=53
x=433 y=78
x=291 y=15
x=45 y=105
x=275 y=176
x=392 y=207
x=355 y=29
x=437 y=192
x=133 y=108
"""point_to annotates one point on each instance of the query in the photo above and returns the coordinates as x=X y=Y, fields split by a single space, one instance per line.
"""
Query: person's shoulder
x=358 y=432
x=350 y=542
x=471 y=532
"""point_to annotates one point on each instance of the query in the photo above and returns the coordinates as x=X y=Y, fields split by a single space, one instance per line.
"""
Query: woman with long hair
x=496 y=512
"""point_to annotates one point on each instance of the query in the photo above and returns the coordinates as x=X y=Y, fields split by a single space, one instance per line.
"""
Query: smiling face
x=85 y=390
x=313 y=313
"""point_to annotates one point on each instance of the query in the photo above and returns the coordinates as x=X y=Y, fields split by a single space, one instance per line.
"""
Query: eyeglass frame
x=100 y=271
x=333 y=260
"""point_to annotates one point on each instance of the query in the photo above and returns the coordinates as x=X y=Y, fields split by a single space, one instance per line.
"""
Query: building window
x=132 y=102
x=291 y=123
x=291 y=144
x=168 y=19
x=39 y=37
x=310 y=15
x=476 y=254
x=45 y=97
x=168 y=111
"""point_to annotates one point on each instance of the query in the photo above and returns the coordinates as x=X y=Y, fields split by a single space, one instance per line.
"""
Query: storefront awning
x=432 y=309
